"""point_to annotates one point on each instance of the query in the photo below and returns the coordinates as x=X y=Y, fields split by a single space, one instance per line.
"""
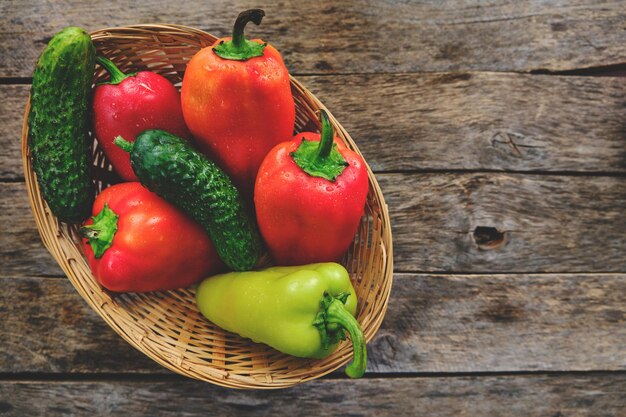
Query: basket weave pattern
x=166 y=326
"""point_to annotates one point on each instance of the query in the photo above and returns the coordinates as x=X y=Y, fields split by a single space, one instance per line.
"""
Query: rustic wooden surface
x=437 y=323
x=497 y=131
x=596 y=394
x=359 y=36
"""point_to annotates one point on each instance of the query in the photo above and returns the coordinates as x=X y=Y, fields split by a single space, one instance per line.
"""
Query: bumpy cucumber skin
x=170 y=167
x=58 y=124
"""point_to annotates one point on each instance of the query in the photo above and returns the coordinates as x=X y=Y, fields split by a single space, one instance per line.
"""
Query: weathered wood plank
x=483 y=323
x=21 y=248
x=481 y=121
x=435 y=323
x=358 y=36
x=463 y=121
x=597 y=395
x=526 y=223
x=47 y=327
x=505 y=223
x=12 y=106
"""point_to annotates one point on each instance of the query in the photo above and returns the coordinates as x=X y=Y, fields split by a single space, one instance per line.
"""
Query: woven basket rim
x=54 y=236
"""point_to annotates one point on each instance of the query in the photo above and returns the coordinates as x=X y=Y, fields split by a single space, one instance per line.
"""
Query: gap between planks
x=468 y=274
x=616 y=70
x=334 y=376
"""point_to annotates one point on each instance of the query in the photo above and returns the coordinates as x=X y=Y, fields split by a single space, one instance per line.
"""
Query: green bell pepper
x=299 y=310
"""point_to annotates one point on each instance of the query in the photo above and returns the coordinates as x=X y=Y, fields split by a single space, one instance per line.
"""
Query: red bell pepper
x=138 y=242
x=310 y=196
x=129 y=104
x=237 y=102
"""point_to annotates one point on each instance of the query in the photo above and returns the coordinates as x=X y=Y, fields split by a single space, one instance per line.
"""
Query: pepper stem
x=332 y=320
x=251 y=15
x=117 y=76
x=337 y=314
x=321 y=159
x=123 y=143
x=326 y=137
x=239 y=48
x=100 y=233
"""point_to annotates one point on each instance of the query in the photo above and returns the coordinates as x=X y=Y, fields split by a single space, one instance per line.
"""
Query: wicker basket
x=167 y=326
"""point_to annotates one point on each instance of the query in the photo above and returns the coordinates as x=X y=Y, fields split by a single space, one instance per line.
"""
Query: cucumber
x=173 y=169
x=58 y=124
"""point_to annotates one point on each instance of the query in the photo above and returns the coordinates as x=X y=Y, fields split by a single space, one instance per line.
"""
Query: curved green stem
x=327 y=136
x=251 y=15
x=117 y=76
x=239 y=48
x=332 y=321
x=321 y=159
x=100 y=234
x=123 y=143
x=337 y=314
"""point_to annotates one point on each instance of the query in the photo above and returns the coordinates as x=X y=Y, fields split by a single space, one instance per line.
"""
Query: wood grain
x=449 y=121
x=481 y=121
x=47 y=327
x=546 y=223
x=358 y=36
x=496 y=396
x=503 y=323
x=12 y=105
x=435 y=323
x=539 y=223
x=21 y=248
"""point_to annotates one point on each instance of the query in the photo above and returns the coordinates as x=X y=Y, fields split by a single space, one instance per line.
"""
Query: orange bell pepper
x=237 y=102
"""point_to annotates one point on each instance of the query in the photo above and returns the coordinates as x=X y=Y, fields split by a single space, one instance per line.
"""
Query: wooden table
x=497 y=131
